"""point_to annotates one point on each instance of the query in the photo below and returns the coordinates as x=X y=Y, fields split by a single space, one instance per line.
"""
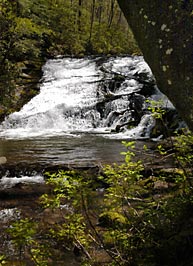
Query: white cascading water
x=68 y=97
x=52 y=129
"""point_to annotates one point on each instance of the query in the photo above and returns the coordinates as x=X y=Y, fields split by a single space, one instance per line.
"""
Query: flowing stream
x=70 y=97
x=84 y=109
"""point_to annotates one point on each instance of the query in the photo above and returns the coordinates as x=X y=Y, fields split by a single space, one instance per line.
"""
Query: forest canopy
x=33 y=30
x=67 y=27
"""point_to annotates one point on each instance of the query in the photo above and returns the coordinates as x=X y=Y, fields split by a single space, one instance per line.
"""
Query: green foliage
x=31 y=31
x=40 y=254
x=2 y=260
x=135 y=222
x=123 y=179
x=152 y=224
x=183 y=145
x=22 y=234
x=156 y=108
x=69 y=187
x=67 y=25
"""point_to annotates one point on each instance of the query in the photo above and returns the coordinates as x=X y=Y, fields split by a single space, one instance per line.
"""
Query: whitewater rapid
x=68 y=98
x=73 y=119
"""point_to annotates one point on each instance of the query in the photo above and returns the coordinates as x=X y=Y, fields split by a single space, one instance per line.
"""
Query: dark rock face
x=164 y=32
x=20 y=87
x=167 y=125
x=137 y=105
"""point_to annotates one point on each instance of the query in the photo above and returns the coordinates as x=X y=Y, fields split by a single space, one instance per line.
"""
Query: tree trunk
x=111 y=15
x=92 y=19
x=164 y=32
x=79 y=14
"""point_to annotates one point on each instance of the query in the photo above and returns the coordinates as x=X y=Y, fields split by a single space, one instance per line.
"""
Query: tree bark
x=164 y=32
x=111 y=15
x=92 y=19
x=79 y=14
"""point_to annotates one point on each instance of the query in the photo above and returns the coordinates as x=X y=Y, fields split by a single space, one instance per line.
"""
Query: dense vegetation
x=31 y=31
x=130 y=215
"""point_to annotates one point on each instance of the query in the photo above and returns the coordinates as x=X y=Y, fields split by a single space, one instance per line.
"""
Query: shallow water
x=84 y=149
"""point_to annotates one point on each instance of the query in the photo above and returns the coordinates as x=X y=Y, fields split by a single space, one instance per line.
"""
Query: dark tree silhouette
x=164 y=32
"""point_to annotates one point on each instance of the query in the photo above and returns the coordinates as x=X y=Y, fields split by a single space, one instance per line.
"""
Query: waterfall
x=104 y=96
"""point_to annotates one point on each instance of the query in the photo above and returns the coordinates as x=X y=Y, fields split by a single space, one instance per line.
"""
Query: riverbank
x=22 y=183
x=20 y=86
x=159 y=184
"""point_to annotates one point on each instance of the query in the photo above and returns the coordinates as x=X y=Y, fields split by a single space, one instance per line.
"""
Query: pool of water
x=83 y=149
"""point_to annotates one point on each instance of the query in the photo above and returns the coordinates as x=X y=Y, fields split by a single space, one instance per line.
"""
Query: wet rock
x=161 y=185
x=23 y=191
x=52 y=216
x=169 y=123
x=111 y=219
x=3 y=160
x=22 y=87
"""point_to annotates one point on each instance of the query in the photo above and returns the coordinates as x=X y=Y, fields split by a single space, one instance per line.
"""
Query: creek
x=84 y=109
